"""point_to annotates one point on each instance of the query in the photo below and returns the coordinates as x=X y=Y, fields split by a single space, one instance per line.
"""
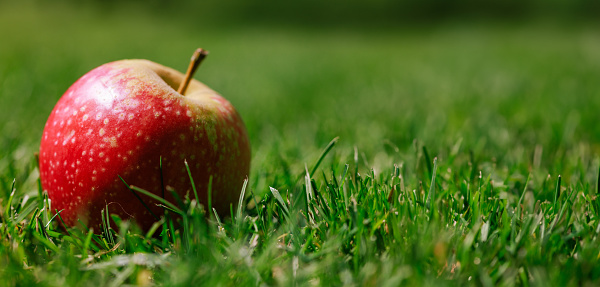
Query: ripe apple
x=127 y=119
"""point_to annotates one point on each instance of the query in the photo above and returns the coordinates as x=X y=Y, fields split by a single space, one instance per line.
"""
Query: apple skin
x=122 y=119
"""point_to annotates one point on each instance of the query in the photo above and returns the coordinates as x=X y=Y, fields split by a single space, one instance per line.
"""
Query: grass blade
x=10 y=199
x=140 y=199
x=277 y=196
x=187 y=167
x=557 y=191
x=240 y=206
x=431 y=195
x=324 y=153
x=157 y=198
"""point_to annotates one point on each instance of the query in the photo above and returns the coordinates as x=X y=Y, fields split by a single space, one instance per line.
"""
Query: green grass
x=467 y=153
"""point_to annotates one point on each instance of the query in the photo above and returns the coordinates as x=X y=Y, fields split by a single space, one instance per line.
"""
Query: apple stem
x=197 y=58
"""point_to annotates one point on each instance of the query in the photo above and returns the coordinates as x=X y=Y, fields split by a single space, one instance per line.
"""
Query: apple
x=127 y=119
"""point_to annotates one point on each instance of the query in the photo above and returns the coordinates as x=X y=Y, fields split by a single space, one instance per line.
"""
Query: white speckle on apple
x=121 y=116
x=112 y=141
x=101 y=132
x=188 y=113
x=99 y=116
x=105 y=121
x=101 y=154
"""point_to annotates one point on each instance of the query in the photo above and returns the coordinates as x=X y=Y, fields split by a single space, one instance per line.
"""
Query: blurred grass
x=495 y=84
x=510 y=98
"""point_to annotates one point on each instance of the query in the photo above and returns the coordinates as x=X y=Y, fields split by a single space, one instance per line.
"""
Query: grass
x=462 y=153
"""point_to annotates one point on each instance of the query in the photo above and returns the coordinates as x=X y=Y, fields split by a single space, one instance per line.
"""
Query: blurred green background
x=502 y=79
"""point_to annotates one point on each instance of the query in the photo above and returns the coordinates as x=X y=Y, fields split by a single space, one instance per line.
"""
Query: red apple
x=122 y=119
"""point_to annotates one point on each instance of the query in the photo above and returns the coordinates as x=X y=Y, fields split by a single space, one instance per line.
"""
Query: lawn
x=445 y=153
